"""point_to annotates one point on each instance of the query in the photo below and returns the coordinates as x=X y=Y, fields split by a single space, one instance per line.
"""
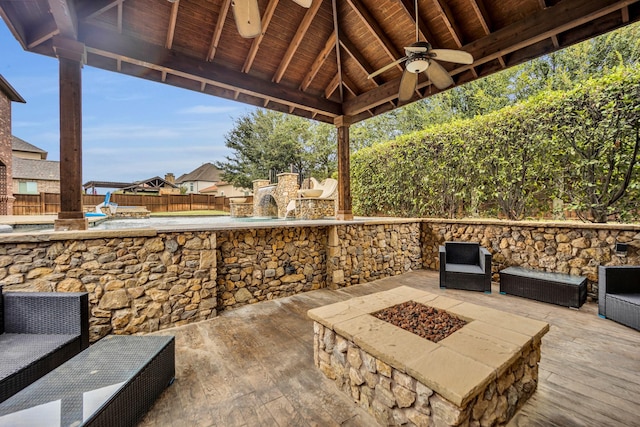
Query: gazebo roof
x=301 y=64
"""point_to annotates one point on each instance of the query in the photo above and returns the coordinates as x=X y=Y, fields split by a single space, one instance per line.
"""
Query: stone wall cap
x=536 y=223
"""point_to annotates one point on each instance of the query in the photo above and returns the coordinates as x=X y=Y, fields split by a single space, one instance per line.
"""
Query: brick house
x=32 y=172
x=7 y=95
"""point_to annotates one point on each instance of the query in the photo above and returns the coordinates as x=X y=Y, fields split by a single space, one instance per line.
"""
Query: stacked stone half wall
x=572 y=248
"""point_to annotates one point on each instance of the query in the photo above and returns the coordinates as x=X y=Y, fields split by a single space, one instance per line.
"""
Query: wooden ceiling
x=302 y=64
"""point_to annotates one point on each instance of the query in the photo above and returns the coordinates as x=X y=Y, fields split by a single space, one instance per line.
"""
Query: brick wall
x=6 y=193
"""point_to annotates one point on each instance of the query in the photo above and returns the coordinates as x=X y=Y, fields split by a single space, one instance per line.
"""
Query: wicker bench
x=554 y=288
x=39 y=331
x=619 y=294
x=112 y=383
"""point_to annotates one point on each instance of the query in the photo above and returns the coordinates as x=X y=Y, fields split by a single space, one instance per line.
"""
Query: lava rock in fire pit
x=422 y=320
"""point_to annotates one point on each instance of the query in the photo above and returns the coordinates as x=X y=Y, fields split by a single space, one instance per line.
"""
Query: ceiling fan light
x=417 y=65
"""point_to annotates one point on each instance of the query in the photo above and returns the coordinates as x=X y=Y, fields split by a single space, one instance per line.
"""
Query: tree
x=265 y=140
x=600 y=125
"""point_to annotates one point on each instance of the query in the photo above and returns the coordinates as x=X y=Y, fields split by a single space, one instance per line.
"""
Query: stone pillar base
x=71 y=224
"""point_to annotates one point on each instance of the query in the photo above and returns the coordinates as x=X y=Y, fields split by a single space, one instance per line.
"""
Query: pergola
x=310 y=62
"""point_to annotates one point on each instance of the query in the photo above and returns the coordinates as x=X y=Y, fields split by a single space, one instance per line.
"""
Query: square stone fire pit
x=479 y=375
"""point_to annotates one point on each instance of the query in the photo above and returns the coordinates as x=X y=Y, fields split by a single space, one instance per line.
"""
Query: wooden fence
x=49 y=203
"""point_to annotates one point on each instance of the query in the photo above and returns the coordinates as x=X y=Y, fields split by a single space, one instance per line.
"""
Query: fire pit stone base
x=480 y=375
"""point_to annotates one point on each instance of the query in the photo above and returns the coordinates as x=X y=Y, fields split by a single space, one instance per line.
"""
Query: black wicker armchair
x=38 y=332
x=619 y=294
x=465 y=265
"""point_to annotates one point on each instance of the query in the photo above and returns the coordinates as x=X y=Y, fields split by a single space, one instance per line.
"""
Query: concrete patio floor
x=253 y=366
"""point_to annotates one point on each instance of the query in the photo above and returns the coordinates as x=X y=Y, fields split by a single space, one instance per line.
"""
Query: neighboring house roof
x=47 y=170
x=210 y=189
x=206 y=172
x=150 y=185
x=12 y=94
x=106 y=184
x=18 y=144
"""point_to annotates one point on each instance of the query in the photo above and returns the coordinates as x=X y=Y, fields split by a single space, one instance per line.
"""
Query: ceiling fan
x=421 y=57
x=247 y=16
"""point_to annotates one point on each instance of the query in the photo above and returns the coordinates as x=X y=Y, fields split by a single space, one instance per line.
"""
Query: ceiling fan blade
x=385 y=68
x=439 y=76
x=304 y=3
x=407 y=86
x=247 y=16
x=416 y=49
x=450 y=55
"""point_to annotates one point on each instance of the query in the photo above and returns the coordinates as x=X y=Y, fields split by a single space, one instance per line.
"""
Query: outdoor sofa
x=619 y=294
x=38 y=332
x=465 y=265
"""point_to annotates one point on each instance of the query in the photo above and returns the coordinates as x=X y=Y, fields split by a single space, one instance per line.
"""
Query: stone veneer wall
x=564 y=247
x=259 y=264
x=395 y=398
x=143 y=280
x=136 y=282
x=360 y=253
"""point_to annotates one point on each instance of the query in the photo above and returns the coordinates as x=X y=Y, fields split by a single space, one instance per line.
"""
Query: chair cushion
x=630 y=298
x=463 y=268
x=462 y=253
x=18 y=351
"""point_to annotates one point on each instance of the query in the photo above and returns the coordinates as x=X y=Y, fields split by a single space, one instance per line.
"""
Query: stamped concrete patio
x=253 y=366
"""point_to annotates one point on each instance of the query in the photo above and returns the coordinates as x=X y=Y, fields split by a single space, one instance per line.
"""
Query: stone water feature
x=284 y=200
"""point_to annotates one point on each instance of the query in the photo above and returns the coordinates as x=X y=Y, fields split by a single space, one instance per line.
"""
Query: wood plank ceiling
x=301 y=63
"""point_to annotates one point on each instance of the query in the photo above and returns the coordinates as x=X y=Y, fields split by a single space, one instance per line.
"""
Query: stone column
x=286 y=190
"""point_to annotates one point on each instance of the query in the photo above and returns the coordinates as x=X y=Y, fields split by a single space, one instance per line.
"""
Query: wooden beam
x=360 y=60
x=266 y=20
x=297 y=39
x=447 y=17
x=120 y=13
x=426 y=35
x=336 y=31
x=543 y=24
x=109 y=44
x=332 y=86
x=173 y=18
x=344 y=169
x=42 y=33
x=375 y=29
x=91 y=9
x=70 y=53
x=64 y=15
x=329 y=46
x=350 y=86
x=217 y=32
x=482 y=14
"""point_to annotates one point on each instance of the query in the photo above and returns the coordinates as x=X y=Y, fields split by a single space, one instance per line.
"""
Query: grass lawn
x=191 y=213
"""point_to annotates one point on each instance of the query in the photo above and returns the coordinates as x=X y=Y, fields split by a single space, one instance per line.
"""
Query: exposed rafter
x=483 y=16
x=171 y=29
x=297 y=39
x=217 y=32
x=329 y=46
x=266 y=20
x=447 y=17
x=376 y=31
x=541 y=25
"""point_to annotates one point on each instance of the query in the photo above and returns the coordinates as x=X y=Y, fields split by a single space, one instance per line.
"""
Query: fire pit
x=480 y=373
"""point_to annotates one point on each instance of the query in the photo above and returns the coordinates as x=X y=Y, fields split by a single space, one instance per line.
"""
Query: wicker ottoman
x=554 y=288
x=111 y=384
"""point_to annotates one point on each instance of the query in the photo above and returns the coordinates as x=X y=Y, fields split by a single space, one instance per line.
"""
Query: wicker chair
x=39 y=331
x=619 y=294
x=465 y=265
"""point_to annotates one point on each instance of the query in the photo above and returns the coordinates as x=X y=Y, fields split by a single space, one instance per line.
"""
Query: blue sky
x=133 y=129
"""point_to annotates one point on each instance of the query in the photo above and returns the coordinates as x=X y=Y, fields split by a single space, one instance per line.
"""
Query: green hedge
x=578 y=146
